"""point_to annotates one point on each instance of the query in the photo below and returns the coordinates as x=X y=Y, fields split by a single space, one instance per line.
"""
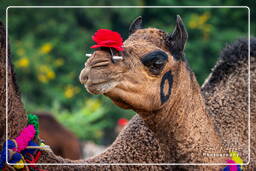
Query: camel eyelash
x=157 y=55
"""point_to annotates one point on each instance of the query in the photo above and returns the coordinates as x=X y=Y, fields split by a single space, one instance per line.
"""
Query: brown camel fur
x=135 y=139
x=226 y=97
x=62 y=142
x=15 y=106
x=154 y=62
x=129 y=141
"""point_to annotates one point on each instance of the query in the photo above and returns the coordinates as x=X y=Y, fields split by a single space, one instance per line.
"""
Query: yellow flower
x=93 y=104
x=193 y=21
x=192 y=24
x=203 y=18
x=23 y=62
x=197 y=21
x=59 y=62
x=46 y=48
x=46 y=73
x=42 y=78
x=43 y=68
x=70 y=91
x=51 y=75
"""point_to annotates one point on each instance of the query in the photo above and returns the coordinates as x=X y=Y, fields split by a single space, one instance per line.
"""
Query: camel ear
x=136 y=24
x=176 y=41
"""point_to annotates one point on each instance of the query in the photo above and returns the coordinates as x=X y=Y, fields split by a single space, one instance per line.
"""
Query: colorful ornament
x=25 y=136
x=23 y=148
x=122 y=122
x=33 y=120
x=235 y=160
x=20 y=164
x=108 y=38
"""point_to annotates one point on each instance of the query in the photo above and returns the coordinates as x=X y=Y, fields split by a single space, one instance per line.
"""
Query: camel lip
x=83 y=82
x=92 y=83
x=89 y=82
x=100 y=87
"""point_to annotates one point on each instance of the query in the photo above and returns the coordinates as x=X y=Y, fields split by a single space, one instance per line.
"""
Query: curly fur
x=137 y=142
x=231 y=58
x=226 y=96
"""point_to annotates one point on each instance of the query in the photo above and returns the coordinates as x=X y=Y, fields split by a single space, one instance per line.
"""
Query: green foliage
x=87 y=122
x=49 y=46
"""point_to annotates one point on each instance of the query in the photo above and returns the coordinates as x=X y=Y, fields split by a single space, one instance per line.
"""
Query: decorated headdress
x=109 y=39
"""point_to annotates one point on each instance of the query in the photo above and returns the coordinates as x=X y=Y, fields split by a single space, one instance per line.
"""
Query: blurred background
x=48 y=47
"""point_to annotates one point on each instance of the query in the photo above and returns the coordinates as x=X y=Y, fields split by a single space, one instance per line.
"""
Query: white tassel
x=88 y=54
x=117 y=58
x=114 y=57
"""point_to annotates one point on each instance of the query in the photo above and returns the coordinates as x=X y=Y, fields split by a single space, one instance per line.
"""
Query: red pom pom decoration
x=122 y=121
x=108 y=38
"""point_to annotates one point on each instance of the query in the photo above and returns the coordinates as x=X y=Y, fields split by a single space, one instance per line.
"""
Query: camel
x=165 y=92
x=17 y=120
x=137 y=138
x=53 y=134
x=166 y=95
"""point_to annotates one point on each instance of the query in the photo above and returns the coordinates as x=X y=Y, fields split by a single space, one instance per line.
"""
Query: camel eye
x=155 y=61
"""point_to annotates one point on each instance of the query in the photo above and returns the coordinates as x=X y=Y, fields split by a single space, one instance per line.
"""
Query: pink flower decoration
x=26 y=135
x=232 y=167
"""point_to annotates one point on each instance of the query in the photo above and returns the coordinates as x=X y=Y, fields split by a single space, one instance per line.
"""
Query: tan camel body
x=136 y=143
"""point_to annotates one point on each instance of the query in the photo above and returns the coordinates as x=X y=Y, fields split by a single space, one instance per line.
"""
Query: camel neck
x=182 y=125
x=15 y=111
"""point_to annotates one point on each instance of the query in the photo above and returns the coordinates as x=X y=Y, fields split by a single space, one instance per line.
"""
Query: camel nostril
x=83 y=77
x=100 y=63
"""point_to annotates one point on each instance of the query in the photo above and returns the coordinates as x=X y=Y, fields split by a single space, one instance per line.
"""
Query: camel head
x=146 y=77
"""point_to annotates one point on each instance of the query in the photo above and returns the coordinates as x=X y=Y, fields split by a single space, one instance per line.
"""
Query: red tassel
x=34 y=160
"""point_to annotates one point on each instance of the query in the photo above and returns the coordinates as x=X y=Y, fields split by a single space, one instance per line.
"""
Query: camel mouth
x=95 y=82
x=100 y=87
